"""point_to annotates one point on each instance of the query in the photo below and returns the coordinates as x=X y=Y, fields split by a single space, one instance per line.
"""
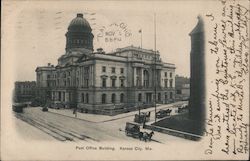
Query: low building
x=104 y=83
x=24 y=91
x=182 y=87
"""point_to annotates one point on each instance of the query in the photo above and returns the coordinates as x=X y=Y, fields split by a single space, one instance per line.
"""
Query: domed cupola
x=79 y=34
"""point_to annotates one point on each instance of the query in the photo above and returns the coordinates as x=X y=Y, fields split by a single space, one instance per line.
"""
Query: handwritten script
x=227 y=124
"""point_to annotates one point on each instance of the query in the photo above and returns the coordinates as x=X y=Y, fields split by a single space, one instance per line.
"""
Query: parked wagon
x=163 y=113
x=18 y=107
x=142 y=117
x=132 y=129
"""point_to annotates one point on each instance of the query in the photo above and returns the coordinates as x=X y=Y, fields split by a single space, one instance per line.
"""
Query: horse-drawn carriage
x=163 y=113
x=183 y=108
x=133 y=129
x=142 y=117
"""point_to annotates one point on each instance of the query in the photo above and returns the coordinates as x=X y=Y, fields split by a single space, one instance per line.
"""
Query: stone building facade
x=105 y=83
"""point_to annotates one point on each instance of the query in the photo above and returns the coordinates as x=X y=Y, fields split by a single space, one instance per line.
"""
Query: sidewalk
x=96 y=118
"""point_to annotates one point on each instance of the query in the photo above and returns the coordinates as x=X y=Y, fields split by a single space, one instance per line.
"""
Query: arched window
x=113 y=98
x=122 y=98
x=103 y=98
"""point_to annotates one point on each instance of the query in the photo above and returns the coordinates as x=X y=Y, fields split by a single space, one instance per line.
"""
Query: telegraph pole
x=155 y=63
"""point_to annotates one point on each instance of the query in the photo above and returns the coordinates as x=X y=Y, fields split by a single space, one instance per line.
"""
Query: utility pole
x=155 y=63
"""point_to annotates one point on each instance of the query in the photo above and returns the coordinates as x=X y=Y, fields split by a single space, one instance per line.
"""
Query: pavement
x=96 y=118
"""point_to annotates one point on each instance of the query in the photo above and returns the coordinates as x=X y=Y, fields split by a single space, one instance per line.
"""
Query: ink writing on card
x=227 y=123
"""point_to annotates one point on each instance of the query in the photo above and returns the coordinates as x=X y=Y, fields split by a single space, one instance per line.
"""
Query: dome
x=79 y=24
x=79 y=34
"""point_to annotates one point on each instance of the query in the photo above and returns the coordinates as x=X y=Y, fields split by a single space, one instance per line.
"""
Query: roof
x=46 y=68
x=79 y=24
x=129 y=48
x=25 y=82
x=199 y=28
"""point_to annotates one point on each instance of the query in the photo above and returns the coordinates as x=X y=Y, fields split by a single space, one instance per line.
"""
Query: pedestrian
x=75 y=112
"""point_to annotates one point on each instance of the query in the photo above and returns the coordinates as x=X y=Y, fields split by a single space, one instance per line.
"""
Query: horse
x=140 y=135
x=147 y=136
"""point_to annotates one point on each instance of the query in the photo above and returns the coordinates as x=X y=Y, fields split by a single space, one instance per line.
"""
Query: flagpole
x=155 y=62
x=141 y=39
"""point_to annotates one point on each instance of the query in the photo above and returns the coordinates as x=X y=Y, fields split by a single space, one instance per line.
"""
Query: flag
x=140 y=31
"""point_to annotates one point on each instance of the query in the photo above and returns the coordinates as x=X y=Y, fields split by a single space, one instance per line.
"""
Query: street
x=65 y=128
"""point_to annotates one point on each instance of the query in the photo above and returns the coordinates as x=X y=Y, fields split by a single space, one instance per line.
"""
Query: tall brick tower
x=197 y=80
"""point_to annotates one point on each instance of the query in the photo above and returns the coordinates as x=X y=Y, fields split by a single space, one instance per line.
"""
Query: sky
x=34 y=31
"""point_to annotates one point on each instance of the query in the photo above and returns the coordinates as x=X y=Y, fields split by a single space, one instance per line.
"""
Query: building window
x=146 y=78
x=69 y=96
x=113 y=69
x=122 y=98
x=86 y=82
x=170 y=74
x=166 y=95
x=138 y=81
x=137 y=71
x=166 y=83
x=68 y=82
x=166 y=74
x=77 y=81
x=83 y=97
x=103 y=98
x=86 y=70
x=139 y=97
x=113 y=98
x=122 y=82
x=171 y=95
x=103 y=69
x=63 y=96
x=48 y=76
x=122 y=70
x=178 y=91
x=59 y=96
x=159 y=96
x=113 y=82
x=87 y=98
x=171 y=83
x=103 y=82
